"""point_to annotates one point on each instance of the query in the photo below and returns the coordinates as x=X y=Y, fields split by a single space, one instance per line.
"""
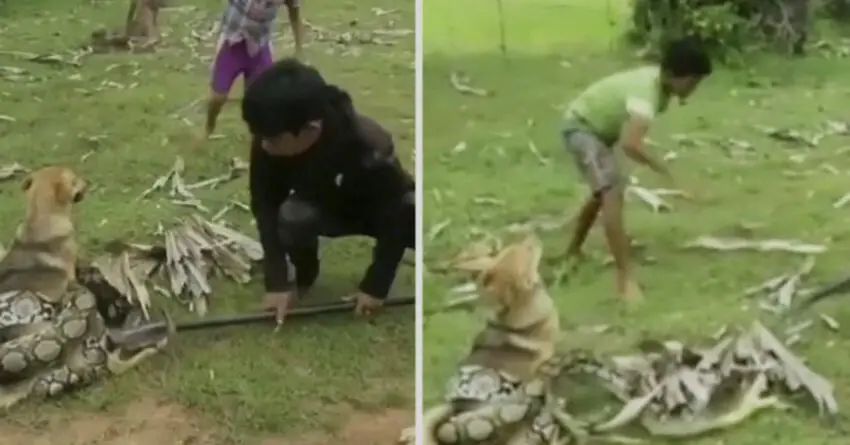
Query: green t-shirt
x=609 y=103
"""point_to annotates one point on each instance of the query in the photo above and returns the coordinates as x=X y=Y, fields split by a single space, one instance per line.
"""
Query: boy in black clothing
x=319 y=168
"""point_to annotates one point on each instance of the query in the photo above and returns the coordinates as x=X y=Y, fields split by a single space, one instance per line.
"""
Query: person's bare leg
x=151 y=33
x=618 y=243
x=297 y=25
x=131 y=17
x=214 y=106
x=154 y=23
x=584 y=222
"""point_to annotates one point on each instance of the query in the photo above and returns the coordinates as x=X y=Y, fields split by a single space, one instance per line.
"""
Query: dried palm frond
x=679 y=391
x=235 y=168
x=197 y=249
x=649 y=197
x=780 y=291
x=180 y=192
x=127 y=271
x=768 y=245
x=181 y=265
x=10 y=171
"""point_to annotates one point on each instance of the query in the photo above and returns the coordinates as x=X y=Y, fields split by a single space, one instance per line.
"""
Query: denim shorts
x=594 y=158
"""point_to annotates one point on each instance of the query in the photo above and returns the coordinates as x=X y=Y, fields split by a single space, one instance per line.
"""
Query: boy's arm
x=293 y=10
x=379 y=177
x=268 y=189
x=634 y=131
x=386 y=183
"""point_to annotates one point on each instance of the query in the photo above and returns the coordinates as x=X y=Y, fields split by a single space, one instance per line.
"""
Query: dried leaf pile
x=182 y=263
x=676 y=391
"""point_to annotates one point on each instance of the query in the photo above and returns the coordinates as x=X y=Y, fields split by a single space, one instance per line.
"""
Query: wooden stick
x=142 y=333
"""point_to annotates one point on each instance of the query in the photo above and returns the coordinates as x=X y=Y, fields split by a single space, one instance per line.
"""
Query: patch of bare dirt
x=360 y=428
x=143 y=422
x=149 y=421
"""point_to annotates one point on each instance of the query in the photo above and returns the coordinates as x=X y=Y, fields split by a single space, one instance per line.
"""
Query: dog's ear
x=27 y=183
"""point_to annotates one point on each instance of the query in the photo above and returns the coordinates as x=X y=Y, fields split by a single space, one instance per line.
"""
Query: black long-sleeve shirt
x=372 y=178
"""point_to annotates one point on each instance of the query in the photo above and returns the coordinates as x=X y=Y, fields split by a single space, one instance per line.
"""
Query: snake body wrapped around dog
x=54 y=331
x=498 y=394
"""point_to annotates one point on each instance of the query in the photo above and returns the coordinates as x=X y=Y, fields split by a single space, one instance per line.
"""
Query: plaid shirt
x=251 y=21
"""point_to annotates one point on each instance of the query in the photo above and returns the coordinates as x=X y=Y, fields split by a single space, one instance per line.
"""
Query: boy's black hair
x=686 y=57
x=287 y=96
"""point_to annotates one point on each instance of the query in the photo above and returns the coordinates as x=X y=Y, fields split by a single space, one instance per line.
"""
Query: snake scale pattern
x=492 y=407
x=48 y=349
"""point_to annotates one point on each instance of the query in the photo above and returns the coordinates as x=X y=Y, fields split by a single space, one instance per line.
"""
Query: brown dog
x=43 y=255
x=524 y=328
x=520 y=336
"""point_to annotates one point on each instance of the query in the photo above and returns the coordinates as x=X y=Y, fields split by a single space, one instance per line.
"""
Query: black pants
x=302 y=223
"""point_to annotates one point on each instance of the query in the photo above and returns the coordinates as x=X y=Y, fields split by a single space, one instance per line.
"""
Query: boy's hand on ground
x=365 y=305
x=278 y=302
x=631 y=292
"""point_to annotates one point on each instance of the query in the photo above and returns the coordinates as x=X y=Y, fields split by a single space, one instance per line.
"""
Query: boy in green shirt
x=615 y=113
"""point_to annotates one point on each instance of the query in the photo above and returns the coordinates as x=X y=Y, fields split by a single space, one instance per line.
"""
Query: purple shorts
x=232 y=59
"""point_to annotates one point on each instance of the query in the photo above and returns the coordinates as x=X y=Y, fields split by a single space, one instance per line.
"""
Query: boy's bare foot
x=630 y=291
x=199 y=139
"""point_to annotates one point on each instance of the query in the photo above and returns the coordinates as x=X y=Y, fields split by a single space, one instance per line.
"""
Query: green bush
x=728 y=27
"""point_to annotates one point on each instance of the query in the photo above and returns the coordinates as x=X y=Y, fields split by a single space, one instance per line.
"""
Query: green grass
x=689 y=294
x=249 y=381
x=531 y=26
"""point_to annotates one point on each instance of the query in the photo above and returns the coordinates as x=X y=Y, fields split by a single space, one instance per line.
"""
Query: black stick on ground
x=160 y=327
x=236 y=320
x=837 y=288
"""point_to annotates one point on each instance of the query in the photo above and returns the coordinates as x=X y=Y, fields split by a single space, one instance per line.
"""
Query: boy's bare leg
x=154 y=22
x=141 y=24
x=294 y=11
x=584 y=222
x=214 y=106
x=618 y=243
x=148 y=24
x=131 y=16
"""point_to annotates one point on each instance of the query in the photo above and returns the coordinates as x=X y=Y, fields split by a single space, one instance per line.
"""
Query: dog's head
x=58 y=185
x=511 y=277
